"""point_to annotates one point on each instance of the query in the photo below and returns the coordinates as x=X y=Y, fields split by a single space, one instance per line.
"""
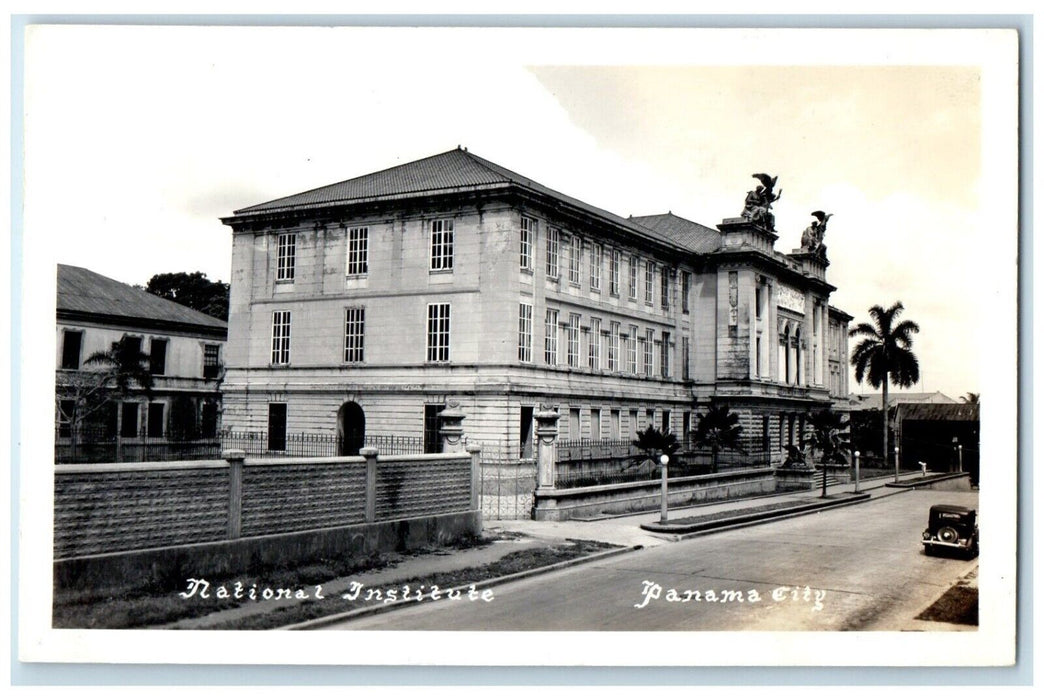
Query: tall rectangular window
x=685 y=293
x=647 y=353
x=665 y=288
x=442 y=244
x=575 y=253
x=573 y=341
x=155 y=420
x=281 y=338
x=665 y=355
x=614 y=272
x=129 y=419
x=438 y=332
x=614 y=346
x=632 y=278
x=553 y=240
x=632 y=350
x=594 y=351
x=525 y=332
x=649 y=273
x=596 y=266
x=287 y=257
x=551 y=337
x=527 y=235
x=276 y=427
x=158 y=356
x=72 y=342
x=432 y=440
x=354 y=333
x=211 y=361
x=358 y=250
x=685 y=357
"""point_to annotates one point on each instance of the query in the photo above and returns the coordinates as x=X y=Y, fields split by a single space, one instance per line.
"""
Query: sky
x=138 y=139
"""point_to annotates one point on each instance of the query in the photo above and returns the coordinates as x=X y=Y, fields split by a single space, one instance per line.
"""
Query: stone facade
x=618 y=323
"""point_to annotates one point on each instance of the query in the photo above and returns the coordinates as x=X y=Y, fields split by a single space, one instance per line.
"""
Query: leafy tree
x=114 y=372
x=719 y=429
x=884 y=354
x=193 y=290
x=829 y=435
x=970 y=398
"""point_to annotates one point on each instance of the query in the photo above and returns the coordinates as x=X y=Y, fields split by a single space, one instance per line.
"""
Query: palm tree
x=830 y=436
x=718 y=429
x=971 y=397
x=121 y=367
x=654 y=443
x=884 y=354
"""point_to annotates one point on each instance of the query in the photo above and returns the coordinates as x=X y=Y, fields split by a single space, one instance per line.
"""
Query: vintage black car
x=951 y=529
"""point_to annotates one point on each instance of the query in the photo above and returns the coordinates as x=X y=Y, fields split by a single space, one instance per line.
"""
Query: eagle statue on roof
x=812 y=238
x=758 y=205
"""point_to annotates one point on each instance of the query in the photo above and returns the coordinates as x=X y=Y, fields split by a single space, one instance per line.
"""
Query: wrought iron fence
x=594 y=462
x=507 y=482
x=256 y=444
x=89 y=445
x=101 y=445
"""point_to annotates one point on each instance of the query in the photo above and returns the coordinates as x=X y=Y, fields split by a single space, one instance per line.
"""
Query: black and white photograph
x=437 y=345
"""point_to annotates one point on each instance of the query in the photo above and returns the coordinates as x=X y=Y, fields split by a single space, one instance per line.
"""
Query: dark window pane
x=71 y=342
x=277 y=426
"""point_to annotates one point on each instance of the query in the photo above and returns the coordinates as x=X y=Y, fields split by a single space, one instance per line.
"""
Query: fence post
x=370 y=453
x=451 y=426
x=476 y=473
x=546 y=432
x=235 y=459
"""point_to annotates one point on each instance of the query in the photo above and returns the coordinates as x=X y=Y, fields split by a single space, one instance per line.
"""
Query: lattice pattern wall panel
x=287 y=498
x=409 y=489
x=126 y=510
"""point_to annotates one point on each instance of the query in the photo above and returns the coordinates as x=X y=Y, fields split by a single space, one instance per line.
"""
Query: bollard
x=856 y=455
x=897 y=464
x=664 y=459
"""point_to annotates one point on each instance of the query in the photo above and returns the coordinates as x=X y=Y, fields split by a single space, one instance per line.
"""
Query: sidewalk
x=626 y=530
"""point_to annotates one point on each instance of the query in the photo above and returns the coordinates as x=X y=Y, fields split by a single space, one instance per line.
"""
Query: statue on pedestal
x=812 y=238
x=758 y=205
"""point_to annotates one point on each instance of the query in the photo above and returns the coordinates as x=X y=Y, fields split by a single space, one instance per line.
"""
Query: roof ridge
x=351 y=179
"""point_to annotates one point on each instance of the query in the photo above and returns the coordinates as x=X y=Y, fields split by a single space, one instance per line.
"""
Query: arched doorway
x=351 y=429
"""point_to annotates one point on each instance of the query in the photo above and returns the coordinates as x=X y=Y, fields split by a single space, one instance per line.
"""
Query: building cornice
x=132 y=324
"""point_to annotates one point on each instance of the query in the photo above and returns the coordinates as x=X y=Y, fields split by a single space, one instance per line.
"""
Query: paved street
x=863 y=567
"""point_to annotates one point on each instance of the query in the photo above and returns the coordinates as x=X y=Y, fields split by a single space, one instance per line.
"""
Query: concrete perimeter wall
x=134 y=522
x=563 y=504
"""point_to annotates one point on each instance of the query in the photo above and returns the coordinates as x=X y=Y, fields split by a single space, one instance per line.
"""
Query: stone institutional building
x=369 y=305
x=184 y=349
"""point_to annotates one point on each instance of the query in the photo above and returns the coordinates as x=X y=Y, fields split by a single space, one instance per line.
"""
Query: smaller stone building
x=185 y=351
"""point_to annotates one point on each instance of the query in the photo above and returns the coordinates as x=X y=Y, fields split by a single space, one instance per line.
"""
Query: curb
x=488 y=583
x=738 y=521
x=926 y=481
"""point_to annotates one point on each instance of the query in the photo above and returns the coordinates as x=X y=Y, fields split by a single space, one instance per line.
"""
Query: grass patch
x=767 y=508
x=158 y=604
x=959 y=606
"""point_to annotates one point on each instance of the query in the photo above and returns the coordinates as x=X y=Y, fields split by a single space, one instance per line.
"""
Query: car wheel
x=929 y=550
x=947 y=535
